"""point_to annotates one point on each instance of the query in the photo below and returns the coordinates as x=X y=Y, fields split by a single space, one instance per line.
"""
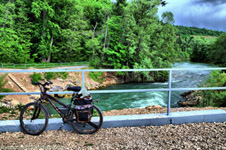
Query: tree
x=200 y=50
x=45 y=24
x=217 y=52
x=167 y=17
x=8 y=35
x=119 y=7
x=73 y=34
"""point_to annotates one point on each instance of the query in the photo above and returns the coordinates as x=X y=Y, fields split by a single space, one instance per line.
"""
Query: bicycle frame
x=50 y=99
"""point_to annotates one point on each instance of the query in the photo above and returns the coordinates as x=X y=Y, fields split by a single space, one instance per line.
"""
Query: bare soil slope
x=74 y=78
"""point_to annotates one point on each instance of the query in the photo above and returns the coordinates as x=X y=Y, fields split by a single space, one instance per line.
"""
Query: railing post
x=169 y=92
x=24 y=66
x=2 y=66
x=83 y=79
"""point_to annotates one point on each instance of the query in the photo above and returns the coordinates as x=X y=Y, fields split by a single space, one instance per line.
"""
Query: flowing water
x=180 y=79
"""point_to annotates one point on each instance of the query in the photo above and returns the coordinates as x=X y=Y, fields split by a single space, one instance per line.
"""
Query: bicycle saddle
x=74 y=88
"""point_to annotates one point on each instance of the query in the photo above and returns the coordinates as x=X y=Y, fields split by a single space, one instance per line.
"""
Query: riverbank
x=111 y=101
x=14 y=114
x=21 y=82
x=156 y=109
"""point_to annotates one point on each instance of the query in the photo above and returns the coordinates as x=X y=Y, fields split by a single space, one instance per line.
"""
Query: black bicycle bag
x=83 y=109
x=83 y=101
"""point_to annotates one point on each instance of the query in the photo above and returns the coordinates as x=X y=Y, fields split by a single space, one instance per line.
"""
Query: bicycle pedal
x=61 y=127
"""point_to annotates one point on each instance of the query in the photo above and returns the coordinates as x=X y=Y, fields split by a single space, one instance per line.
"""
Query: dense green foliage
x=214 y=98
x=217 y=51
x=40 y=30
x=194 y=48
x=112 y=35
x=97 y=76
x=134 y=38
x=195 y=44
x=36 y=77
x=183 y=30
x=203 y=49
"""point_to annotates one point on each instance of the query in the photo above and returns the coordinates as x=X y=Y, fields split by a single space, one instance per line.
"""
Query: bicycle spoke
x=33 y=117
x=30 y=121
x=93 y=125
x=37 y=115
x=90 y=127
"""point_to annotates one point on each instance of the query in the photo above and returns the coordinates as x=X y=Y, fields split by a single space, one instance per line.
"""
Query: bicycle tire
x=33 y=118
x=92 y=126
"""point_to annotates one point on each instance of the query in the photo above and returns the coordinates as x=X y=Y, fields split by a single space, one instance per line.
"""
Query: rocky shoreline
x=190 y=99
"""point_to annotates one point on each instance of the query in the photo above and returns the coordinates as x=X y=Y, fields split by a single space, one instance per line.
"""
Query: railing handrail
x=169 y=89
x=107 y=70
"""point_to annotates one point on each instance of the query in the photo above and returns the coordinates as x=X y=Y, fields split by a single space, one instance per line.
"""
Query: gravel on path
x=185 y=136
x=155 y=109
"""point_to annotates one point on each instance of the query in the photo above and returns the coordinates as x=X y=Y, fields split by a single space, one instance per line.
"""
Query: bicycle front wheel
x=89 y=127
x=33 y=118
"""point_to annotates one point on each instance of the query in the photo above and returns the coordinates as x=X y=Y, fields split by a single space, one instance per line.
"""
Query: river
x=180 y=79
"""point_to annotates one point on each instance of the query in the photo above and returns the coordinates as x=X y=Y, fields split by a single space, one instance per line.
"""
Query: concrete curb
x=133 y=120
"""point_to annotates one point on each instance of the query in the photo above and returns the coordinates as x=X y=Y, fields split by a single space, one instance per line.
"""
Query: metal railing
x=41 y=65
x=169 y=89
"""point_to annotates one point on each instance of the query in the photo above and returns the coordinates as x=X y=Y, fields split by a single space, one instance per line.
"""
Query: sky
x=210 y=14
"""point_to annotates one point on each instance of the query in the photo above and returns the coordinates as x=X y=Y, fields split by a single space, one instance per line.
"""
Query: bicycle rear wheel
x=90 y=127
x=33 y=118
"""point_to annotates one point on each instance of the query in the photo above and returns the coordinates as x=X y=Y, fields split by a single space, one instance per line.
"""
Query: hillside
x=183 y=30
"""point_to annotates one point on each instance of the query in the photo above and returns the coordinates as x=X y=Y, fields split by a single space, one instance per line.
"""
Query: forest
x=108 y=34
x=117 y=35
x=183 y=30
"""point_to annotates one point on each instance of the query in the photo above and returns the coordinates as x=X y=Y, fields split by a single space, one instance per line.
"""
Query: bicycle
x=81 y=113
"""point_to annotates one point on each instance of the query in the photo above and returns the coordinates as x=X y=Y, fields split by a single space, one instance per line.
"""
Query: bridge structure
x=132 y=120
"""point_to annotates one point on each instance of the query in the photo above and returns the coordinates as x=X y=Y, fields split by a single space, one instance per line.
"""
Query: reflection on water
x=180 y=79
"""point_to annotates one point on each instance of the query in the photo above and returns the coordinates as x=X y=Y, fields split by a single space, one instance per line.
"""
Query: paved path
x=186 y=136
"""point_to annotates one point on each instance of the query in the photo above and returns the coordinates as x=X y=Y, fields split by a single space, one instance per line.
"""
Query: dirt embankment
x=21 y=82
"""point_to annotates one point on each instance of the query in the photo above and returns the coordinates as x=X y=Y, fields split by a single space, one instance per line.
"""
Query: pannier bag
x=83 y=108
x=83 y=115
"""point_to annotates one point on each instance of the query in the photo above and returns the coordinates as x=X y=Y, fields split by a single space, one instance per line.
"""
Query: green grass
x=36 y=77
x=4 y=109
x=40 y=65
x=21 y=137
x=209 y=39
x=97 y=76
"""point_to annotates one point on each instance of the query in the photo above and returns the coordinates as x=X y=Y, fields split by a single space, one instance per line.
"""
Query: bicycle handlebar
x=43 y=85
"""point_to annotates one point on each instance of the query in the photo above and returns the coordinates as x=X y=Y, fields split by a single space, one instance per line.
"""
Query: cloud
x=210 y=14
x=210 y=2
